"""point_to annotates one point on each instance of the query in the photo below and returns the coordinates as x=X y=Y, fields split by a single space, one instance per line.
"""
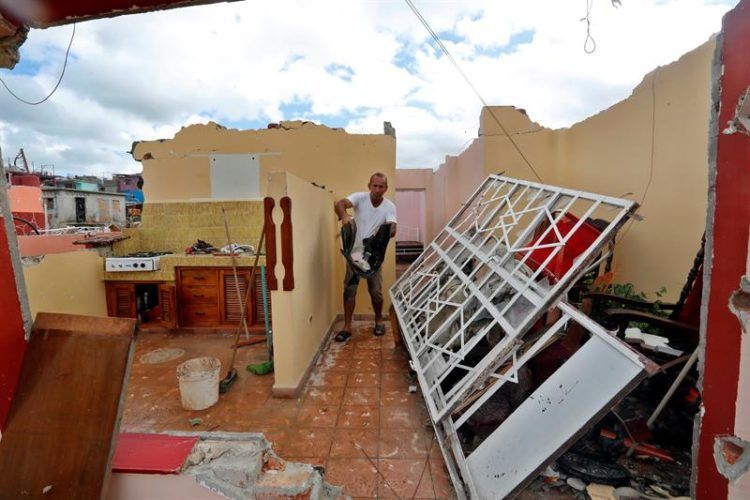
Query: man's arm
x=393 y=229
x=340 y=208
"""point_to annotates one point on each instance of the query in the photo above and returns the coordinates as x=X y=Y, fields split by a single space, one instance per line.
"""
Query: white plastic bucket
x=199 y=383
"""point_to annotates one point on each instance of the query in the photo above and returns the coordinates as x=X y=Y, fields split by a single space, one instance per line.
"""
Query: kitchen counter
x=169 y=262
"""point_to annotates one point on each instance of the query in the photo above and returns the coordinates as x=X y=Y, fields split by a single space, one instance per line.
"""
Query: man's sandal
x=342 y=336
x=379 y=329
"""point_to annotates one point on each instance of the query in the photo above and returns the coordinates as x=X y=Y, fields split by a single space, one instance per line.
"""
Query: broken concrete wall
x=179 y=169
x=610 y=153
x=70 y=283
x=303 y=316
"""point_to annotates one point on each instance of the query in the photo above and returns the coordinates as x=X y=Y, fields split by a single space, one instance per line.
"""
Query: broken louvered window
x=485 y=297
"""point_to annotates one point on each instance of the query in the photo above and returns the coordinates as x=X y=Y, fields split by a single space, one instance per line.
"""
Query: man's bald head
x=378 y=185
x=379 y=175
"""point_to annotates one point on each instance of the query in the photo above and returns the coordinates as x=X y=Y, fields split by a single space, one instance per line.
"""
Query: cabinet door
x=168 y=302
x=121 y=300
x=231 y=309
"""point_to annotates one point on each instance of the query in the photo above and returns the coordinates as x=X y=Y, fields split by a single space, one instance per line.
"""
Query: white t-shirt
x=369 y=218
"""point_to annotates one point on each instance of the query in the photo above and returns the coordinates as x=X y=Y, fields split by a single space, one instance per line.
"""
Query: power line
x=62 y=73
x=468 y=81
x=653 y=147
x=589 y=45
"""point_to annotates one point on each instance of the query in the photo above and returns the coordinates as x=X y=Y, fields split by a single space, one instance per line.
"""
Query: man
x=371 y=211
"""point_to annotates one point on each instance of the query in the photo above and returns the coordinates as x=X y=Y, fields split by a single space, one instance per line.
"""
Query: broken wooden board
x=64 y=416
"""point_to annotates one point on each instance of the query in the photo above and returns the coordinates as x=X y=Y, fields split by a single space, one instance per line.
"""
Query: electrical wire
x=59 y=80
x=653 y=147
x=589 y=45
x=471 y=85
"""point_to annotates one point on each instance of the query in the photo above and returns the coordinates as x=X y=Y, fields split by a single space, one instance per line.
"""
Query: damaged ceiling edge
x=17 y=17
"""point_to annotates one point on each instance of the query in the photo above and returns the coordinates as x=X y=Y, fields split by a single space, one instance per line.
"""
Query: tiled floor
x=356 y=417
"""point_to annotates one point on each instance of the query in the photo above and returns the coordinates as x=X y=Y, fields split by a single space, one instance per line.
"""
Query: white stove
x=141 y=261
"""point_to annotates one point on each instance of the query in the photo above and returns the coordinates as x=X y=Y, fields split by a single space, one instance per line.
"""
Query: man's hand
x=340 y=208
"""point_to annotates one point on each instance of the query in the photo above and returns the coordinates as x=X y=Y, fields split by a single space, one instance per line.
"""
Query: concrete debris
x=739 y=304
x=732 y=456
x=247 y=468
x=601 y=491
x=576 y=483
x=651 y=342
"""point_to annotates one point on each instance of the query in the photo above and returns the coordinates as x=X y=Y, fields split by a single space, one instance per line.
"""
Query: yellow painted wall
x=174 y=226
x=178 y=169
x=610 y=154
x=302 y=317
x=71 y=283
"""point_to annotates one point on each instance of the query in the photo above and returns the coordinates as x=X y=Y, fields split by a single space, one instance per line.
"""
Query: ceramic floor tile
x=332 y=363
x=358 y=477
x=362 y=375
x=325 y=395
x=354 y=443
x=405 y=478
x=365 y=365
x=400 y=381
x=395 y=366
x=359 y=416
x=364 y=353
x=317 y=415
x=366 y=379
x=403 y=417
x=441 y=480
x=307 y=442
x=398 y=397
x=328 y=379
x=361 y=396
x=393 y=353
x=405 y=443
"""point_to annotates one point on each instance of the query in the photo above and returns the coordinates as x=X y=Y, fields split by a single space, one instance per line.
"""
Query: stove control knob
x=143 y=264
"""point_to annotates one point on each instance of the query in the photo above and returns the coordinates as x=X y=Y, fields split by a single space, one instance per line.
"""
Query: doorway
x=80 y=209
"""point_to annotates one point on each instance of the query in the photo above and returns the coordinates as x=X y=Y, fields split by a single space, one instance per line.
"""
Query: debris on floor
x=240 y=467
x=523 y=388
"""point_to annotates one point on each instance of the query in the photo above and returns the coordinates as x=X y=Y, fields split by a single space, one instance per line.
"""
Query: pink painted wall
x=48 y=243
x=25 y=199
x=410 y=207
x=446 y=188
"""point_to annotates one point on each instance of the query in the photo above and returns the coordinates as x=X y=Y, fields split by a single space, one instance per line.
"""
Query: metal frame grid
x=477 y=281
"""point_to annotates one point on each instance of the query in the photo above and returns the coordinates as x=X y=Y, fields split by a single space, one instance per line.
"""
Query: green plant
x=629 y=291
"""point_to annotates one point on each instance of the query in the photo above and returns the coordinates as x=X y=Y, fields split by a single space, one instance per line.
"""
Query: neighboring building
x=77 y=206
x=25 y=196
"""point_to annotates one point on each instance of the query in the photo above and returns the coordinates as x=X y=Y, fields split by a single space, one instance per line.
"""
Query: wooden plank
x=287 y=248
x=66 y=409
x=268 y=205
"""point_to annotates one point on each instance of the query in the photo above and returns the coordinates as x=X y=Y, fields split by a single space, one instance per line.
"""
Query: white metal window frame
x=457 y=281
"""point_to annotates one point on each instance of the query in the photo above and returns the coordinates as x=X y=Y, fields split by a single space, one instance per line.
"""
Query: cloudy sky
x=351 y=64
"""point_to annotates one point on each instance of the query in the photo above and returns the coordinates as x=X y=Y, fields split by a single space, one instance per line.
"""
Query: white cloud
x=144 y=76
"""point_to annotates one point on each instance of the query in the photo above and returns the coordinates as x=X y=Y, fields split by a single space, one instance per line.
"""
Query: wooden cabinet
x=121 y=300
x=156 y=302
x=208 y=297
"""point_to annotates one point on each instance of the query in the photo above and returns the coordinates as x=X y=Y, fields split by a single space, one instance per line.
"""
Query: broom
x=227 y=381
